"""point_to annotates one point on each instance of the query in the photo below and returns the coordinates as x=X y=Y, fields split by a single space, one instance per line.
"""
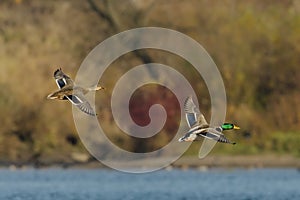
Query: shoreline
x=186 y=162
x=240 y=161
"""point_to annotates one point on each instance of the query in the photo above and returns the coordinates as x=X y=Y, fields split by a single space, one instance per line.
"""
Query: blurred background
x=255 y=45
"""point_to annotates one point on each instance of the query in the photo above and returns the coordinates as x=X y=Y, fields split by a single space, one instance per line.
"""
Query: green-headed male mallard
x=68 y=90
x=199 y=126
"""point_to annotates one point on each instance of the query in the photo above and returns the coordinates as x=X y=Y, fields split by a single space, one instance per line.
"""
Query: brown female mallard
x=68 y=90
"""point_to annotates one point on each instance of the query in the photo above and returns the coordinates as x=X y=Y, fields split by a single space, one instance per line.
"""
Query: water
x=59 y=184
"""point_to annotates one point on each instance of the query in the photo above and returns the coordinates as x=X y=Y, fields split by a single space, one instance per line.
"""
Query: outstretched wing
x=62 y=79
x=193 y=114
x=80 y=101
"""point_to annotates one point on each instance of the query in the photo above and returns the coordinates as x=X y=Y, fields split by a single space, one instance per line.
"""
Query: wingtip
x=91 y=114
x=189 y=105
x=57 y=70
x=188 y=98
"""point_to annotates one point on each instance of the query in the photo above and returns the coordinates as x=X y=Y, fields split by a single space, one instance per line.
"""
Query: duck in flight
x=68 y=90
x=200 y=128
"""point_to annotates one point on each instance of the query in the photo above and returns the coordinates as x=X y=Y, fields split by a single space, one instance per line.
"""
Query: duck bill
x=236 y=127
x=51 y=97
x=100 y=88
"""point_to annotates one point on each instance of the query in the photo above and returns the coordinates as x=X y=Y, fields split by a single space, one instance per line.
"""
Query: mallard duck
x=68 y=90
x=199 y=127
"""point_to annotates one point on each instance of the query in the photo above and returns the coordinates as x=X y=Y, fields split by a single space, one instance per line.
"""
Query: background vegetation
x=255 y=44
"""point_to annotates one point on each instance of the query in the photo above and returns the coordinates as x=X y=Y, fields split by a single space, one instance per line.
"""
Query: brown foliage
x=254 y=43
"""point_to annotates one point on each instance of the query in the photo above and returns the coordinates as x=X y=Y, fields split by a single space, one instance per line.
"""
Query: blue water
x=59 y=184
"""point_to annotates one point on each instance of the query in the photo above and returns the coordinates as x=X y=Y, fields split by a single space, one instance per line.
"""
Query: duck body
x=67 y=91
x=196 y=133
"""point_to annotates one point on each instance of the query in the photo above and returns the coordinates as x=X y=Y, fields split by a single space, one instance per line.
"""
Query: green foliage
x=286 y=143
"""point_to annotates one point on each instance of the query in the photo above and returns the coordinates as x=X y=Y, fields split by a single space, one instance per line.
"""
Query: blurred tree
x=254 y=44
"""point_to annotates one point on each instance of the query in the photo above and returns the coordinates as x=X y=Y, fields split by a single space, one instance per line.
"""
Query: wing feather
x=193 y=114
x=217 y=136
x=80 y=101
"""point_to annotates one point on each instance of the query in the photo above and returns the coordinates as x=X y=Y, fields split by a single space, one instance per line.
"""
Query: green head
x=229 y=126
